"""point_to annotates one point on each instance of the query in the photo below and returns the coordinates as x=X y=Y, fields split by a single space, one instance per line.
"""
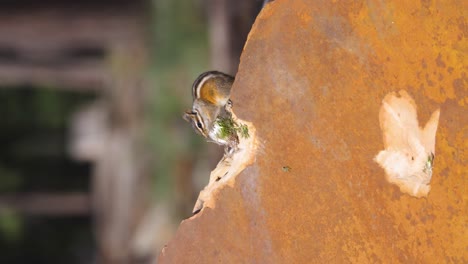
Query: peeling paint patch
x=409 y=149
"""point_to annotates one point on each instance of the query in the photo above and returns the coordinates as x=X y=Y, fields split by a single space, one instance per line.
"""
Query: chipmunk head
x=210 y=91
x=201 y=116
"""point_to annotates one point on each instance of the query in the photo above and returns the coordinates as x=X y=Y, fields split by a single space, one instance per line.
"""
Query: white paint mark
x=409 y=149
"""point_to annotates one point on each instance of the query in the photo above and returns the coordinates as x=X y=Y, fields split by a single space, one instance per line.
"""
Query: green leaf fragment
x=229 y=128
x=428 y=165
x=244 y=131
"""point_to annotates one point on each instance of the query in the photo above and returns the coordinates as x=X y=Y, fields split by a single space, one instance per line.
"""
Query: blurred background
x=96 y=163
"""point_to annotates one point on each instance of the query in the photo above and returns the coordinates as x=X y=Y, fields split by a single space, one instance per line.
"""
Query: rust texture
x=312 y=78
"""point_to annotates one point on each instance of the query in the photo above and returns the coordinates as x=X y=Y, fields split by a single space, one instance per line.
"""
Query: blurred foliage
x=39 y=239
x=34 y=127
x=9 y=179
x=33 y=158
x=11 y=226
x=28 y=106
x=179 y=54
x=33 y=135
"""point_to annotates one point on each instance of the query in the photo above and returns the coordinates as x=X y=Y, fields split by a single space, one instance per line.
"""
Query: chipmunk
x=212 y=107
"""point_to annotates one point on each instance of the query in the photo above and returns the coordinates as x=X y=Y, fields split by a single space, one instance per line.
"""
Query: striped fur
x=213 y=87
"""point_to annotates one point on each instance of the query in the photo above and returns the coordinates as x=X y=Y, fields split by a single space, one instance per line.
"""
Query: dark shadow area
x=39 y=223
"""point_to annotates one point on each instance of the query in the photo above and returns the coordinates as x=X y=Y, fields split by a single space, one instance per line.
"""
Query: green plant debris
x=244 y=131
x=11 y=225
x=229 y=128
x=428 y=165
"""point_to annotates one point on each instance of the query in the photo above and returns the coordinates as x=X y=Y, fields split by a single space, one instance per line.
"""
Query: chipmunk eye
x=199 y=125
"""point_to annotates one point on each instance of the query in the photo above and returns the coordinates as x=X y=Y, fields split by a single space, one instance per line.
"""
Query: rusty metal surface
x=312 y=78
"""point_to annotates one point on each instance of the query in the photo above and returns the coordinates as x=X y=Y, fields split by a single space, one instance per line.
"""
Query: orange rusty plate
x=312 y=78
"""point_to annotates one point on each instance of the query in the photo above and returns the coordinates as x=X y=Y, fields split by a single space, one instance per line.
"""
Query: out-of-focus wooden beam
x=63 y=204
x=90 y=77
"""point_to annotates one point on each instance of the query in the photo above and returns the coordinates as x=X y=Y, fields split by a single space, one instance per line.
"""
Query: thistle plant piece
x=244 y=131
x=230 y=128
